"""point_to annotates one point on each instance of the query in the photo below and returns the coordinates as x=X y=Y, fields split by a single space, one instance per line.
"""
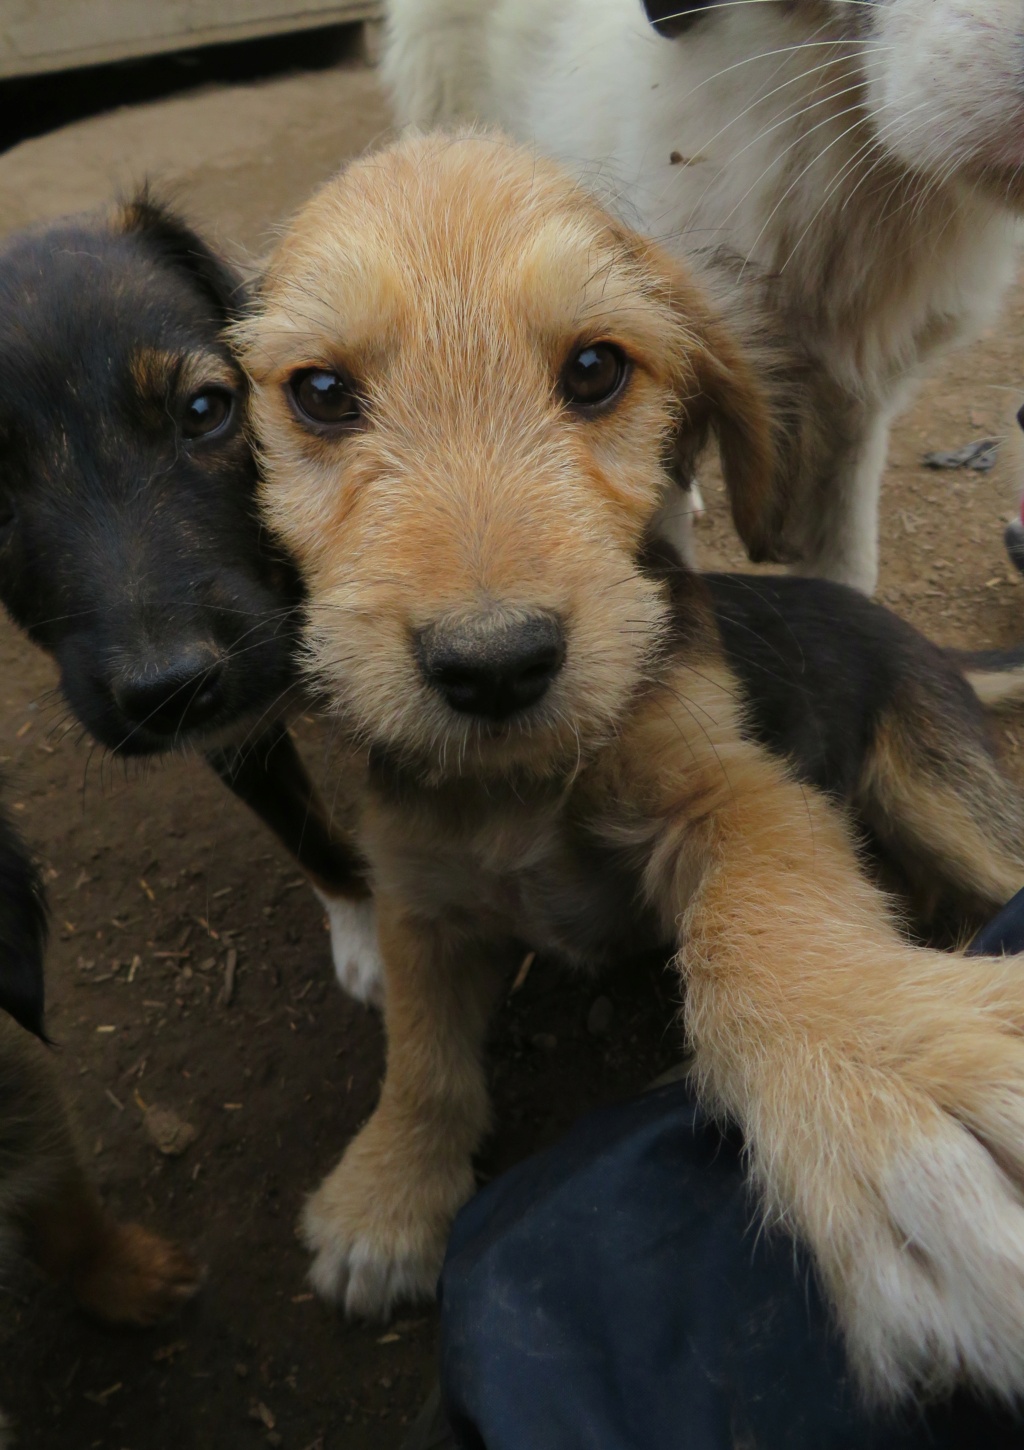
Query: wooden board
x=54 y=35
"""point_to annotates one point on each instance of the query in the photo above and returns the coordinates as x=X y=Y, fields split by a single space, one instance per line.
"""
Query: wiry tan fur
x=880 y=1085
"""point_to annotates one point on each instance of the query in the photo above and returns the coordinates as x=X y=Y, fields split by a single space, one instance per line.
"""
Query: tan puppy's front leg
x=880 y=1086
x=379 y=1222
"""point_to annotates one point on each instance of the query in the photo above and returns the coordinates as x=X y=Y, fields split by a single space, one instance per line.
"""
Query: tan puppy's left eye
x=594 y=376
x=324 y=397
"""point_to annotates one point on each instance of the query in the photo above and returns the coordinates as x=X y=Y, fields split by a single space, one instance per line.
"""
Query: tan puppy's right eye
x=594 y=376
x=325 y=398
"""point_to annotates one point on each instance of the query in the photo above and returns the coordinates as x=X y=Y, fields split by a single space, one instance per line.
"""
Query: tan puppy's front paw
x=378 y=1232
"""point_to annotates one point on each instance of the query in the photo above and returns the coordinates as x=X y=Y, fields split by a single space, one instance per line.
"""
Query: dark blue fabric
x=1003 y=934
x=613 y=1294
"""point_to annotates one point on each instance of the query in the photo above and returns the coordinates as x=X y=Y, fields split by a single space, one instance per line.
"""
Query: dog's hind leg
x=120 y=1272
x=269 y=776
x=933 y=792
x=840 y=542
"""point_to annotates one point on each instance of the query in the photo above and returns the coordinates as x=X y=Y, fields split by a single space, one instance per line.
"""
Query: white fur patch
x=354 y=948
x=942 y=1294
x=675 y=519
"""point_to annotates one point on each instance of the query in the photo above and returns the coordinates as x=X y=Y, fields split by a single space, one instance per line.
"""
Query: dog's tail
x=996 y=676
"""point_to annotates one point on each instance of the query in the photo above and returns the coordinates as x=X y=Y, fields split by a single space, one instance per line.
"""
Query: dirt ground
x=154 y=877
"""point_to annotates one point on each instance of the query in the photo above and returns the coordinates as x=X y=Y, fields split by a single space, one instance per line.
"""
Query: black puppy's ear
x=22 y=933
x=672 y=17
x=175 y=242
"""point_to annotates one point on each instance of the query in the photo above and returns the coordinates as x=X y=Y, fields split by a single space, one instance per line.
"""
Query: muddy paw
x=354 y=948
x=136 y=1277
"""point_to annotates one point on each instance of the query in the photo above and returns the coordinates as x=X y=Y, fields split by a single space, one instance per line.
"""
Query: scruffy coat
x=430 y=305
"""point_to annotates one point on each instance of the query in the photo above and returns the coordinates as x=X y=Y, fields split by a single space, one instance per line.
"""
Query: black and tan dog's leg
x=379 y=1222
x=880 y=1086
x=269 y=776
x=120 y=1272
x=936 y=794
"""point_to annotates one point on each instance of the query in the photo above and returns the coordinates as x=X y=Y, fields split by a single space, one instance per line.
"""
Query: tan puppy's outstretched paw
x=914 y=1208
x=937 y=1295
x=378 y=1232
x=136 y=1277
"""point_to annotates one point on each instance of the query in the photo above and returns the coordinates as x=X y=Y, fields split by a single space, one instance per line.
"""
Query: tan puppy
x=468 y=383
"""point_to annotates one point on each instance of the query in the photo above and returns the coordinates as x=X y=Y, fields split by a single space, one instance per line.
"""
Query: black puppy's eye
x=207 y=412
x=594 y=375
x=325 y=397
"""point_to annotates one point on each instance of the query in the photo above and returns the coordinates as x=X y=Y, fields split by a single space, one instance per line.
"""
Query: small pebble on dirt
x=263 y=1414
x=170 y=1134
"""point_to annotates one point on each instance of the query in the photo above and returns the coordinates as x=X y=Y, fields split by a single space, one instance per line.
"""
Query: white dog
x=847 y=175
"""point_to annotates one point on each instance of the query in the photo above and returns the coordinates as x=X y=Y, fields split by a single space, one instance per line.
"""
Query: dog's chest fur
x=530 y=868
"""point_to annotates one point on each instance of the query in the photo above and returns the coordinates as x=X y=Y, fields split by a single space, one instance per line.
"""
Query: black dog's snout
x=493 y=668
x=180 y=692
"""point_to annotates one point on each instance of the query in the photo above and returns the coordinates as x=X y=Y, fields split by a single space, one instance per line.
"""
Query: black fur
x=821 y=665
x=671 y=17
x=22 y=933
x=130 y=552
x=127 y=550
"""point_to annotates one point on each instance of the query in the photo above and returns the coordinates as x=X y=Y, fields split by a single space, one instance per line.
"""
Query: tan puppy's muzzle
x=491 y=666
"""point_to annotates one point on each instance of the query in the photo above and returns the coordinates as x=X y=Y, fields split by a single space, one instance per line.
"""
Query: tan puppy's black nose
x=492 y=667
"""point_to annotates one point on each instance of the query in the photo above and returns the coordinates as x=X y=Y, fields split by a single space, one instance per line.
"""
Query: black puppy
x=22 y=933
x=129 y=543
x=49 y=1207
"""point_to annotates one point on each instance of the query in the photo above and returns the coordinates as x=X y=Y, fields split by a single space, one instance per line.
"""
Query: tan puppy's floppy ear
x=719 y=394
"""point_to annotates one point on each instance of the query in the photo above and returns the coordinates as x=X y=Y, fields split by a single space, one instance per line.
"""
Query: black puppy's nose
x=174 y=694
x=1020 y=416
x=493 y=667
